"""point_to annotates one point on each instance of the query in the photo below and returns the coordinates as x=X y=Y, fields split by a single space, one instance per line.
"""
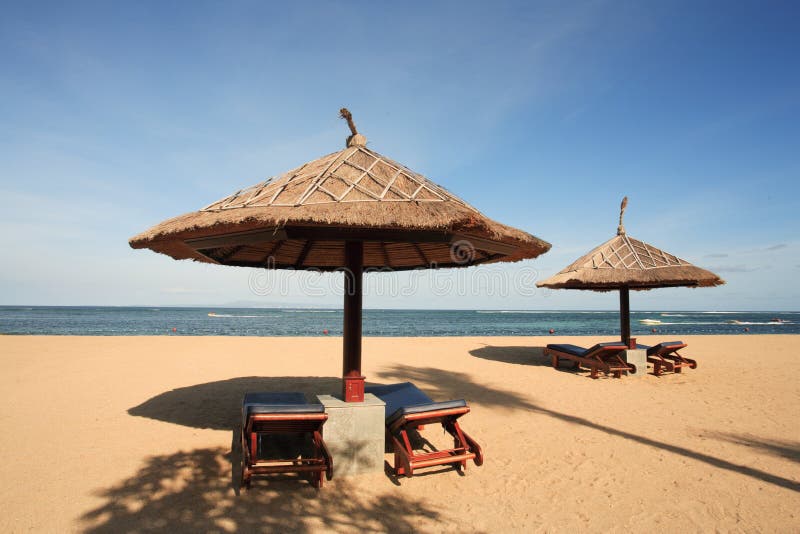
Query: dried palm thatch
x=627 y=262
x=302 y=218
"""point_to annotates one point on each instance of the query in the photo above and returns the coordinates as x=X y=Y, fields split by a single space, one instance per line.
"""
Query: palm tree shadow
x=444 y=385
x=513 y=355
x=190 y=492
x=781 y=448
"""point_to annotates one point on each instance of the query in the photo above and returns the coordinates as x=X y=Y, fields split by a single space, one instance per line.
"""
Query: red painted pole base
x=353 y=388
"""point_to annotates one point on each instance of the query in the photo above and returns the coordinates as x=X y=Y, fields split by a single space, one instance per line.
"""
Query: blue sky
x=115 y=116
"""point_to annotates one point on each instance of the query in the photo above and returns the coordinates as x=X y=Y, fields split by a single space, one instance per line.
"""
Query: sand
x=113 y=434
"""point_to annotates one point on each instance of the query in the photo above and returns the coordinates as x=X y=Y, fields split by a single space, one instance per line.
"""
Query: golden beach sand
x=117 y=434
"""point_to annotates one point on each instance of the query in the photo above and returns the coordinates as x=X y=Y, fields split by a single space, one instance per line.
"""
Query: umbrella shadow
x=218 y=405
x=190 y=492
x=513 y=355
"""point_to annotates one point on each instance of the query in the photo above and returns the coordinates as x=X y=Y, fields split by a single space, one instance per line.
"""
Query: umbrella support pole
x=352 y=380
x=625 y=316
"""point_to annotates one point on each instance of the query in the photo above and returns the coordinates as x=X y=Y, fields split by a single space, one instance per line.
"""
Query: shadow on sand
x=191 y=492
x=513 y=355
x=218 y=405
x=781 y=448
x=196 y=490
x=533 y=356
x=444 y=385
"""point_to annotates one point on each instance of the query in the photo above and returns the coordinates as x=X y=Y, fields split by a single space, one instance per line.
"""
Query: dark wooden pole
x=625 y=315
x=353 y=381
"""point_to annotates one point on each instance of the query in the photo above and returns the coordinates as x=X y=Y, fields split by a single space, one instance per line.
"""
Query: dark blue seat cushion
x=406 y=398
x=655 y=349
x=261 y=403
x=617 y=344
x=575 y=350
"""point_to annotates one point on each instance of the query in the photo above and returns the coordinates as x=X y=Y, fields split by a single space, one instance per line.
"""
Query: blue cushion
x=261 y=403
x=663 y=345
x=406 y=398
x=618 y=344
x=575 y=350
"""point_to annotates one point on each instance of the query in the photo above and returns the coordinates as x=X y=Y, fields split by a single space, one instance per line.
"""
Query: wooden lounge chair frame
x=406 y=459
x=665 y=357
x=404 y=424
x=605 y=357
x=263 y=425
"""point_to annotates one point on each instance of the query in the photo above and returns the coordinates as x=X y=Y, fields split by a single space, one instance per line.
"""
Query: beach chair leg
x=459 y=439
x=594 y=372
x=244 y=481
x=403 y=454
x=398 y=468
x=317 y=479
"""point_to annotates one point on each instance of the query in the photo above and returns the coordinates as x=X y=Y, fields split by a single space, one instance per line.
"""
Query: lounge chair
x=606 y=357
x=408 y=409
x=665 y=356
x=281 y=433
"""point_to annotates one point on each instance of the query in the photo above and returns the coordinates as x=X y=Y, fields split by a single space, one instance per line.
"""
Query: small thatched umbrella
x=624 y=263
x=351 y=210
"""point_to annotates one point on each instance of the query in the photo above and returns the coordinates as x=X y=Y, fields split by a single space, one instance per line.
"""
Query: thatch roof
x=627 y=262
x=301 y=219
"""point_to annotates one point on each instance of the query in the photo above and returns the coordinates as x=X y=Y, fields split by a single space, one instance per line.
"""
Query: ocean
x=148 y=321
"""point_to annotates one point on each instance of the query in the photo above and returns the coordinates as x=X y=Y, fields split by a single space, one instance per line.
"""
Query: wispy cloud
x=733 y=269
x=718 y=255
x=771 y=248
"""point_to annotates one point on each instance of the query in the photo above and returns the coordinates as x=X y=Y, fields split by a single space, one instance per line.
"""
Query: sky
x=117 y=115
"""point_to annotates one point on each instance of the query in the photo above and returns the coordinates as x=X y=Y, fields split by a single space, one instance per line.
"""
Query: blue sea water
x=136 y=321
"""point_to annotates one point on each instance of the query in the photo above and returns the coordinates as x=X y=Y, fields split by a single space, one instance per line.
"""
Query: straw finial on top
x=356 y=139
x=621 y=228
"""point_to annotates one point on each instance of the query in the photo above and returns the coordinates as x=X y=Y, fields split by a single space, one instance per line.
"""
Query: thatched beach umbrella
x=351 y=210
x=624 y=263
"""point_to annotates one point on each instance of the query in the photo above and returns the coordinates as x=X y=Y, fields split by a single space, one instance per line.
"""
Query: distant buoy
x=325 y=331
x=552 y=331
x=174 y=329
